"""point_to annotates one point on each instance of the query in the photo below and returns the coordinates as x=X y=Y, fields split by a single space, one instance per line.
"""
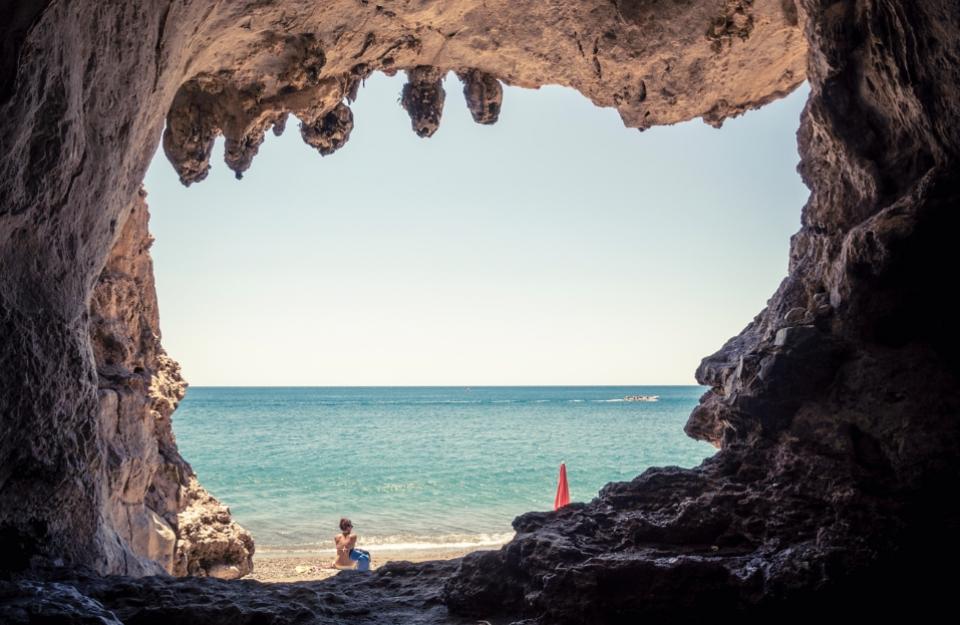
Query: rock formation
x=822 y=405
x=834 y=411
x=423 y=98
x=160 y=518
x=483 y=94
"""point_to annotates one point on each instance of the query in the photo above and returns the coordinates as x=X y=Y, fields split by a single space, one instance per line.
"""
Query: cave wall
x=863 y=311
x=77 y=127
x=835 y=410
x=87 y=85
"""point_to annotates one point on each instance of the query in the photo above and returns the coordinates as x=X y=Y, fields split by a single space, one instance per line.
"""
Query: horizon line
x=189 y=385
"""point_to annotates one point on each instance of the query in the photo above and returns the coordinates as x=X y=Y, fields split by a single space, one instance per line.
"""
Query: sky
x=556 y=247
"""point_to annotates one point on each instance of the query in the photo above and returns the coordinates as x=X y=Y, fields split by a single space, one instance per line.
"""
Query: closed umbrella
x=563 y=490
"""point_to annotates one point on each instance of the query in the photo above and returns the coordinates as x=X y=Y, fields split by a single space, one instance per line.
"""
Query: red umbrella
x=563 y=491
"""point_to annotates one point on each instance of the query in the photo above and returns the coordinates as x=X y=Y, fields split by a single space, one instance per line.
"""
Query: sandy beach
x=284 y=568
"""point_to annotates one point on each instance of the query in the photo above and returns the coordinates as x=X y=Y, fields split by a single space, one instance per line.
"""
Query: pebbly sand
x=279 y=568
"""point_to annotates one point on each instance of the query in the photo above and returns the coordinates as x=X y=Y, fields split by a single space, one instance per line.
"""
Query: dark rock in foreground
x=395 y=593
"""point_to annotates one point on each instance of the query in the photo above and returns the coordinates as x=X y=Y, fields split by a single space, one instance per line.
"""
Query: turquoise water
x=420 y=466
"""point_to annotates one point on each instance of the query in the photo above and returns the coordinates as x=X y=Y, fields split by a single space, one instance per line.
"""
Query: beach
x=276 y=568
x=426 y=473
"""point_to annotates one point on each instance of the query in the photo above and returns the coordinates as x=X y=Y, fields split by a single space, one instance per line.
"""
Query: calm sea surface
x=420 y=466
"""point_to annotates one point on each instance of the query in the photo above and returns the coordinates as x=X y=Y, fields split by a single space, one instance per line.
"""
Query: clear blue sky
x=555 y=247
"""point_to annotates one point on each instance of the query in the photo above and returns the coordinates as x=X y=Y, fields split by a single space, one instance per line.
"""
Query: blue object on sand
x=362 y=557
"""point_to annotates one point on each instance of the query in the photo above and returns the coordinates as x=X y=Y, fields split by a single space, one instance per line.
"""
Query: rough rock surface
x=656 y=63
x=162 y=520
x=423 y=98
x=483 y=94
x=398 y=592
x=834 y=411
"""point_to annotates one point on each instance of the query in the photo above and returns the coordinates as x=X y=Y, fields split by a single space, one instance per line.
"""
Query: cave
x=834 y=411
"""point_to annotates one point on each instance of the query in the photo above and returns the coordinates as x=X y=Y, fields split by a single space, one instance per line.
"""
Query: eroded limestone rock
x=158 y=517
x=834 y=410
x=212 y=105
x=656 y=64
x=423 y=97
x=330 y=132
x=483 y=94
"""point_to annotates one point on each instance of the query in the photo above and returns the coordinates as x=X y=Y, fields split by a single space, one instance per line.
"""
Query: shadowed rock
x=330 y=132
x=398 y=592
x=192 y=127
x=423 y=97
x=483 y=94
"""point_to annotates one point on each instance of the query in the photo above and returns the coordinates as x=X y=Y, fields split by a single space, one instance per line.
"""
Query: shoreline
x=284 y=567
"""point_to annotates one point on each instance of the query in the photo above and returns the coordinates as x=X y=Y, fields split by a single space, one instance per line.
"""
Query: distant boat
x=641 y=398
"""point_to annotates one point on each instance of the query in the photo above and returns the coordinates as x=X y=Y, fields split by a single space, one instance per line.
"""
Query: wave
x=396 y=542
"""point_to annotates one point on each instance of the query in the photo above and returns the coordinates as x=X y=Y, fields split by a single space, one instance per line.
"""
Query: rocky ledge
x=395 y=593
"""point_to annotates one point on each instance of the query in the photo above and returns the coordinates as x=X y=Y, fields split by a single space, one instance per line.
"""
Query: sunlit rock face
x=834 y=411
x=159 y=517
x=657 y=63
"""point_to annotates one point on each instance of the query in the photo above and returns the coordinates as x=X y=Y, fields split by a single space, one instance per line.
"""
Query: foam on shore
x=393 y=543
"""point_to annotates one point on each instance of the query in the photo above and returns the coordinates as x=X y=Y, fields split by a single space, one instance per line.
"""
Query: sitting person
x=348 y=556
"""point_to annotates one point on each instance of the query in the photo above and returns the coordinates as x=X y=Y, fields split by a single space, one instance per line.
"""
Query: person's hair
x=345 y=523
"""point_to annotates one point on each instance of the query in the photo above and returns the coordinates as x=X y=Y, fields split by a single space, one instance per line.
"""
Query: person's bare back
x=344 y=542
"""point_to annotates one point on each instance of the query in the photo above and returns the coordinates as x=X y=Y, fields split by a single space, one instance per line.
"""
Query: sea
x=420 y=467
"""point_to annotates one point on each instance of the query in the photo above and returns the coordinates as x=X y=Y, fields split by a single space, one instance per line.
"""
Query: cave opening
x=512 y=254
x=835 y=406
